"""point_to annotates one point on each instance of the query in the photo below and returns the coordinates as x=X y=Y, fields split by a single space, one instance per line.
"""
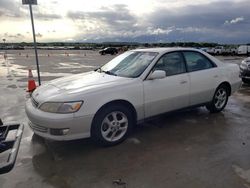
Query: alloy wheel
x=114 y=126
x=220 y=98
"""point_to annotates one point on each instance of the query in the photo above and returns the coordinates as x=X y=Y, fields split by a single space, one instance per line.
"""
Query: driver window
x=171 y=63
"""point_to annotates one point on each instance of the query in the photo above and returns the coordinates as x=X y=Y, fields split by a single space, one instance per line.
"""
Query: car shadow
x=84 y=161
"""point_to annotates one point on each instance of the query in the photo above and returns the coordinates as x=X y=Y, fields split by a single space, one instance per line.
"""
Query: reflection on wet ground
x=189 y=148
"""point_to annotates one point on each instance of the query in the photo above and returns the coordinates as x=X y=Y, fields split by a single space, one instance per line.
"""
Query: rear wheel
x=219 y=100
x=111 y=125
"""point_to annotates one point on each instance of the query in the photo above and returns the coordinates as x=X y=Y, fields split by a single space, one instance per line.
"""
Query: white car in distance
x=106 y=103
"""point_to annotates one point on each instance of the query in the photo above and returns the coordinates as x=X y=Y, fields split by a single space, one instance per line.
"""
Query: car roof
x=164 y=50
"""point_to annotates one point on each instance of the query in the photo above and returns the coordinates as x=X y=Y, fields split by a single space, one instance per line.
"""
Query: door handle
x=215 y=76
x=183 y=82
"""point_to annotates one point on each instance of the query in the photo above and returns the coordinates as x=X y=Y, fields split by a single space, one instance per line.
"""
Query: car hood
x=75 y=84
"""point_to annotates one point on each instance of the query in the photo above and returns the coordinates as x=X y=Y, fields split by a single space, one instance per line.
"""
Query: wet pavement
x=190 y=148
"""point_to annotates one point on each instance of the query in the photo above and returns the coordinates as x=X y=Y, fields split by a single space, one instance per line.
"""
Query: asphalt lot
x=190 y=149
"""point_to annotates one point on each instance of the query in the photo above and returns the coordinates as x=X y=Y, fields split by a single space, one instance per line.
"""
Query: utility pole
x=4 y=40
x=30 y=3
x=5 y=52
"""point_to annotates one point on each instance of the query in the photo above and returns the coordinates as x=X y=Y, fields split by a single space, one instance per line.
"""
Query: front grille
x=34 y=102
x=38 y=127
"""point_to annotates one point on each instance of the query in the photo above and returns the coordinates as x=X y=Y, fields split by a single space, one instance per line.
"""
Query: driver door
x=169 y=93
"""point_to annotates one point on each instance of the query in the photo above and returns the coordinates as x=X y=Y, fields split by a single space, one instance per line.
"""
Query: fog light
x=59 y=132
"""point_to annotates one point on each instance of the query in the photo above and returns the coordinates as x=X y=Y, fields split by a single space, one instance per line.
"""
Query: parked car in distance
x=106 y=103
x=244 y=50
x=221 y=50
x=218 y=50
x=233 y=51
x=108 y=50
x=245 y=70
x=210 y=50
x=204 y=49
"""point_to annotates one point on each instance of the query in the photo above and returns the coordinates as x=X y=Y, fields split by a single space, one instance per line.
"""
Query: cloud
x=117 y=17
x=234 y=21
x=112 y=22
x=13 y=9
x=13 y=36
x=46 y=16
x=222 y=21
x=39 y=35
x=197 y=22
x=51 y=31
x=54 y=2
x=206 y=22
x=10 y=9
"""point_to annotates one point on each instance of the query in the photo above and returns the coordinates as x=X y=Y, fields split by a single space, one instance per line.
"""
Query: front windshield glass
x=129 y=64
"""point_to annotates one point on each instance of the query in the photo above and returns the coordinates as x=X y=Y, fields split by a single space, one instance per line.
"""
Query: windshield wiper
x=98 y=69
x=110 y=73
x=106 y=72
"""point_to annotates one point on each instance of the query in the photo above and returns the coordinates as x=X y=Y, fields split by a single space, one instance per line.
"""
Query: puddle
x=22 y=71
x=69 y=65
x=12 y=86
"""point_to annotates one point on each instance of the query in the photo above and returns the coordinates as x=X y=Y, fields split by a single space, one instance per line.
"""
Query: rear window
x=197 y=61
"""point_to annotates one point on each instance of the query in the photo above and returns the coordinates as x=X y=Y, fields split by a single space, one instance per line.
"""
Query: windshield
x=129 y=64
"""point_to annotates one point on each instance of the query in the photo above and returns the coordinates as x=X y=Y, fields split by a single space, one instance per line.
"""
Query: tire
x=219 y=100
x=111 y=125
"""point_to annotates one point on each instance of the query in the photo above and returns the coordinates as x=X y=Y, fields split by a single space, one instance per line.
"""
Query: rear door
x=204 y=77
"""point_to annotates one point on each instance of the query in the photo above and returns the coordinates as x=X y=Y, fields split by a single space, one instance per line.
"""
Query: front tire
x=111 y=125
x=219 y=100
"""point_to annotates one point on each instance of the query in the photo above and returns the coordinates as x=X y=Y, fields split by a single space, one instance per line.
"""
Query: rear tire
x=219 y=100
x=111 y=125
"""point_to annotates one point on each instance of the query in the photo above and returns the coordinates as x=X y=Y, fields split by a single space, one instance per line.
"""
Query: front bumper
x=245 y=73
x=44 y=124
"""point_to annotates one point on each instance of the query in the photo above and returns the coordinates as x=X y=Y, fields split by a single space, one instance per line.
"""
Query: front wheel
x=111 y=125
x=219 y=100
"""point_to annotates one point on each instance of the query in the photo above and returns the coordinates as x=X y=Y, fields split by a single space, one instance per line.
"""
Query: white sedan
x=106 y=103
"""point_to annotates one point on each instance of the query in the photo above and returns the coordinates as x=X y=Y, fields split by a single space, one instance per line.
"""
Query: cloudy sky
x=223 y=21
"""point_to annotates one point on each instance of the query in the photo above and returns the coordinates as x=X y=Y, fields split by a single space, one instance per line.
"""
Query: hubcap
x=220 y=98
x=114 y=126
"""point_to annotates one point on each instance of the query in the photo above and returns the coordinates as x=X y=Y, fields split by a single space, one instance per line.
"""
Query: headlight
x=248 y=64
x=243 y=65
x=61 y=107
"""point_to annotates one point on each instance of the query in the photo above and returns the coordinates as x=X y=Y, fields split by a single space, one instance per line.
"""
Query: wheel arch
x=122 y=102
x=228 y=85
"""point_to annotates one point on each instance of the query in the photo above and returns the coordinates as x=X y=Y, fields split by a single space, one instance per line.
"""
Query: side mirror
x=157 y=74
